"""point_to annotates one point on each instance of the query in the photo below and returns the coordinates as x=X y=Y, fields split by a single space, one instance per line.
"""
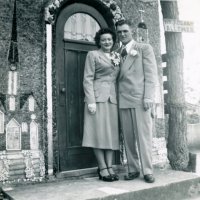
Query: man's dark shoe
x=131 y=176
x=149 y=178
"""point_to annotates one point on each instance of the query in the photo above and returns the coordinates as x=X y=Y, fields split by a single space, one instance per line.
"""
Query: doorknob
x=63 y=90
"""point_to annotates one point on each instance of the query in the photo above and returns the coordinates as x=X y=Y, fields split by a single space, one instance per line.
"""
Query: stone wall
x=21 y=166
x=6 y=14
x=159 y=153
x=30 y=70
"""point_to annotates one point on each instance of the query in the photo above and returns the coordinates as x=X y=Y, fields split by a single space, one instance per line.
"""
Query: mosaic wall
x=21 y=124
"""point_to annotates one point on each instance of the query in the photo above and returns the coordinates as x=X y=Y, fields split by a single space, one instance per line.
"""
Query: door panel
x=74 y=96
x=75 y=156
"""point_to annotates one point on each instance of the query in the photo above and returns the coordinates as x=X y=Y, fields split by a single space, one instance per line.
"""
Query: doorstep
x=169 y=185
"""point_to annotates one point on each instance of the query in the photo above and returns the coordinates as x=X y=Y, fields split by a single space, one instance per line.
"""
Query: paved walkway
x=168 y=183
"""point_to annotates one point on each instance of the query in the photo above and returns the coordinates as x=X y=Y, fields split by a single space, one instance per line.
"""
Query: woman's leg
x=99 y=154
x=109 y=159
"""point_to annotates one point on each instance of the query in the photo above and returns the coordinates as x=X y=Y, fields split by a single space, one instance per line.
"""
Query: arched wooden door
x=75 y=28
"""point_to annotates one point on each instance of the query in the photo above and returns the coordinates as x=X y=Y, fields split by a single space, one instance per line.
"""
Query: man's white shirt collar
x=129 y=45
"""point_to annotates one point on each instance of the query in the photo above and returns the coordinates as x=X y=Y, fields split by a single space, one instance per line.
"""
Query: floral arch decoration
x=52 y=8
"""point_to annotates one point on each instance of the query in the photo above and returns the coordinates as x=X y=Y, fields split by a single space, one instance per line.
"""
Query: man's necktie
x=124 y=53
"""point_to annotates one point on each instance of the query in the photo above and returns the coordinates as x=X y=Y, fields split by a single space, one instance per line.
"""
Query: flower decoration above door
x=52 y=8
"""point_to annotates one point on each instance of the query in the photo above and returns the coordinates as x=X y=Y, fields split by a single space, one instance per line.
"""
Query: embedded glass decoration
x=51 y=10
x=12 y=103
x=13 y=135
x=12 y=83
x=28 y=158
x=31 y=103
x=4 y=167
x=34 y=142
x=33 y=116
x=24 y=127
x=142 y=30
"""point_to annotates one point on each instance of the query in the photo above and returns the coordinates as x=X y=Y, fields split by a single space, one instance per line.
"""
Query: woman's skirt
x=101 y=129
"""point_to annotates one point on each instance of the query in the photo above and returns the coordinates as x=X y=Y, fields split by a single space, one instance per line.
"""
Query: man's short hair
x=122 y=22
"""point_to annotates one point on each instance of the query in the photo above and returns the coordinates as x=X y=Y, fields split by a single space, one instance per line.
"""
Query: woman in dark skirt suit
x=101 y=115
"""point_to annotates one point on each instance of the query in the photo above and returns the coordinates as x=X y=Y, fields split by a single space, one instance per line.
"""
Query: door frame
x=59 y=58
x=50 y=140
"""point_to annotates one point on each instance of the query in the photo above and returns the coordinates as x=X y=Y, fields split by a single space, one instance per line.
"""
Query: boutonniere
x=133 y=52
x=115 y=58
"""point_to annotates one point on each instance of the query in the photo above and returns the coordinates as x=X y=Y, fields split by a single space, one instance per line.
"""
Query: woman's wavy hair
x=104 y=31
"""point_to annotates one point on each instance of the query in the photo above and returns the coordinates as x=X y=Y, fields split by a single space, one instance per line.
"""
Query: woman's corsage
x=115 y=58
x=133 y=52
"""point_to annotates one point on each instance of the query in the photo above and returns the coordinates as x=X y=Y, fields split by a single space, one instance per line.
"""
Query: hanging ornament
x=142 y=30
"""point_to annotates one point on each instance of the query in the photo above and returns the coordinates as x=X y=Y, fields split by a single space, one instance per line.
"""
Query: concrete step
x=4 y=196
x=169 y=185
x=193 y=198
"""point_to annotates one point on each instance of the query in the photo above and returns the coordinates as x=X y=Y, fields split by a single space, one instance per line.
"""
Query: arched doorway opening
x=75 y=28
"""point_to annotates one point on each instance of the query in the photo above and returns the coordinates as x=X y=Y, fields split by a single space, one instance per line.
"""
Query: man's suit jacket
x=100 y=75
x=138 y=76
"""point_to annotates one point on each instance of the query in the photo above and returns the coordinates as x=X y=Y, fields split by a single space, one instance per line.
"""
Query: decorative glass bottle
x=142 y=30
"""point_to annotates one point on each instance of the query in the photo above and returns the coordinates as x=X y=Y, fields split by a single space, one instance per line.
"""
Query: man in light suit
x=137 y=82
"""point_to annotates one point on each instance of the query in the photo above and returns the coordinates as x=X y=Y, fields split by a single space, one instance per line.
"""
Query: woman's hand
x=148 y=104
x=92 y=108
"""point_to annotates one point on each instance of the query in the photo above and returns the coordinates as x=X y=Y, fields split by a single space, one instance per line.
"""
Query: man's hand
x=92 y=108
x=148 y=103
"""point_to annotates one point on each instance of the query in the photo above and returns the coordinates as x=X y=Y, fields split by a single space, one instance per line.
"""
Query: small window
x=81 y=26
x=13 y=135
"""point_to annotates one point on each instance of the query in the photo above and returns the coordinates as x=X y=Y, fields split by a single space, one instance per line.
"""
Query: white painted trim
x=160 y=109
x=9 y=82
x=2 y=122
x=12 y=103
x=15 y=83
x=50 y=171
x=24 y=126
x=168 y=0
x=16 y=122
x=34 y=145
x=198 y=164
x=49 y=97
x=31 y=103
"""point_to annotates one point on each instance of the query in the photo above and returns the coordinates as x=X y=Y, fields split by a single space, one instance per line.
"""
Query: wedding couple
x=126 y=77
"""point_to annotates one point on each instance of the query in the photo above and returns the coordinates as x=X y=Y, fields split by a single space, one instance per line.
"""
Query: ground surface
x=169 y=184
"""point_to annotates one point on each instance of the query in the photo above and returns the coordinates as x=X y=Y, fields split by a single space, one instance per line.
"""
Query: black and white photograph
x=99 y=100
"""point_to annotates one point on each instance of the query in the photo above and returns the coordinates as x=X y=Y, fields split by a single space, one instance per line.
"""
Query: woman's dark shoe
x=115 y=176
x=104 y=178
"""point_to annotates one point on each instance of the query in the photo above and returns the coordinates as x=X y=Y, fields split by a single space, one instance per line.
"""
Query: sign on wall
x=174 y=25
